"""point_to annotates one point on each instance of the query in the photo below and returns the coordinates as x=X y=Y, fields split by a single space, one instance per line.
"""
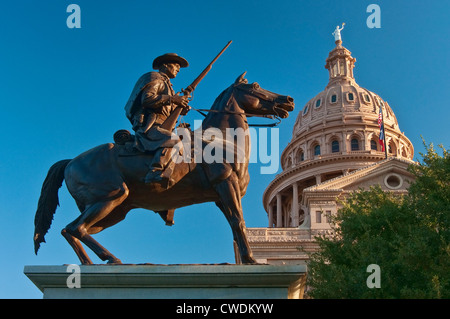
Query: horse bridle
x=258 y=95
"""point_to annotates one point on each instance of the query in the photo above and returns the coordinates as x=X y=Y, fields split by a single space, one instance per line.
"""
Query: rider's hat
x=169 y=58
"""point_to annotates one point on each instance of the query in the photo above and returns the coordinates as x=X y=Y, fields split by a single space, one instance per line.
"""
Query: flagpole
x=384 y=134
x=382 y=129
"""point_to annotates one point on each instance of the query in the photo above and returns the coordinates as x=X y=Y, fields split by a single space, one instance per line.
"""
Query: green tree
x=408 y=237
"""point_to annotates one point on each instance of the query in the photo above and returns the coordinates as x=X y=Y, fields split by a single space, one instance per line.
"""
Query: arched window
x=354 y=144
x=288 y=162
x=317 y=150
x=301 y=156
x=373 y=145
x=404 y=152
x=351 y=97
x=334 y=146
x=392 y=149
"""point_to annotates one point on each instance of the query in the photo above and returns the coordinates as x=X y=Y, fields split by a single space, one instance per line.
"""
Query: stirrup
x=155 y=177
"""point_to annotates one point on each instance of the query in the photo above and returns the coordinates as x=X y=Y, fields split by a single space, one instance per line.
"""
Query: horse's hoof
x=250 y=261
x=114 y=261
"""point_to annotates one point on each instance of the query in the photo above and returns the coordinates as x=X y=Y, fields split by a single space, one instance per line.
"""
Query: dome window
x=334 y=146
x=334 y=98
x=350 y=97
x=318 y=103
x=317 y=150
x=366 y=98
x=354 y=144
x=305 y=110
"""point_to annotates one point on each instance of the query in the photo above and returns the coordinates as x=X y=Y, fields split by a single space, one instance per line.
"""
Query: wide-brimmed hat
x=169 y=58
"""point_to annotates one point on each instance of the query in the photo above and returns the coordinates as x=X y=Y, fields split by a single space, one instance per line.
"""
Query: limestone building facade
x=335 y=149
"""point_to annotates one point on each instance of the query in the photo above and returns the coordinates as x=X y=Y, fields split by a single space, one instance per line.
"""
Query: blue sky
x=62 y=91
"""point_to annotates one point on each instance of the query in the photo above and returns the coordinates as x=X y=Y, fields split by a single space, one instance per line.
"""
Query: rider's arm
x=152 y=96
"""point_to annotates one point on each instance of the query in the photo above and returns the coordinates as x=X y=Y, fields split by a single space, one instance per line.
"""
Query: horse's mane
x=221 y=100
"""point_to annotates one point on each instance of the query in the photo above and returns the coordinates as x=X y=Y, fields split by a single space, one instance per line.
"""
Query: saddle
x=127 y=141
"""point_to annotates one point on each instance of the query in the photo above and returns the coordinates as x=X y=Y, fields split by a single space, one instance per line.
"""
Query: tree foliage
x=408 y=237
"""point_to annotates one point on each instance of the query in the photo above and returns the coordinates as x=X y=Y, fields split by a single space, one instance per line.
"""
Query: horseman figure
x=151 y=102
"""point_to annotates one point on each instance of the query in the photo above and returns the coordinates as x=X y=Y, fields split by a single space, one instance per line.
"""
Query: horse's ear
x=241 y=78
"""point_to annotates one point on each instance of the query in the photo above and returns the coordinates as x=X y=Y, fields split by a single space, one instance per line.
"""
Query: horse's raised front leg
x=230 y=204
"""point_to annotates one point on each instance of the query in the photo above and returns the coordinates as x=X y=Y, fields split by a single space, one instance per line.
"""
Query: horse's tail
x=48 y=202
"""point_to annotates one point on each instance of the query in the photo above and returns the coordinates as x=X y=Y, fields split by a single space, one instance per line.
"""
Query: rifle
x=169 y=123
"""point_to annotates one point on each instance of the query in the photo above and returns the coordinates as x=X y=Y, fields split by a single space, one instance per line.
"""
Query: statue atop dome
x=337 y=33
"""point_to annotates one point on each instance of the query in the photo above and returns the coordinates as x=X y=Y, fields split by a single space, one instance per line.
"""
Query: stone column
x=366 y=141
x=344 y=143
x=279 y=211
x=270 y=216
x=294 y=205
x=318 y=179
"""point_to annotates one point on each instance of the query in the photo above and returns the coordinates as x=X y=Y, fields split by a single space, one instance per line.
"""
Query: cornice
x=324 y=159
x=337 y=183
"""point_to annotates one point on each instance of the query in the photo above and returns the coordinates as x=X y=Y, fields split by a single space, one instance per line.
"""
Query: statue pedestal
x=170 y=281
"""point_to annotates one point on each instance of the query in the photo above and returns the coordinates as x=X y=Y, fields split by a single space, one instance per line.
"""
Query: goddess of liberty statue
x=337 y=33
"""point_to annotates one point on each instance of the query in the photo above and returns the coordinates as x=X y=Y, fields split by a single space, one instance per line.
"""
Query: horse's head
x=255 y=100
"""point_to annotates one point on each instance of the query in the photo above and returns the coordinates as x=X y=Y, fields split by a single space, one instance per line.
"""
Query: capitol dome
x=344 y=118
x=337 y=132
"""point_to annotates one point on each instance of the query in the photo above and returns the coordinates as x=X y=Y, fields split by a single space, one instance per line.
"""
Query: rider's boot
x=157 y=172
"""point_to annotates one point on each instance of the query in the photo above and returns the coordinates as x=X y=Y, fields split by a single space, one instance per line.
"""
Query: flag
x=381 y=125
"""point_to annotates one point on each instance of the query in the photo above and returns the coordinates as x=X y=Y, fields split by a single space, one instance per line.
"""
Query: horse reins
x=272 y=117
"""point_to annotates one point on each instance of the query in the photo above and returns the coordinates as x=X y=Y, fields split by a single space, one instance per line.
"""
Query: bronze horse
x=106 y=185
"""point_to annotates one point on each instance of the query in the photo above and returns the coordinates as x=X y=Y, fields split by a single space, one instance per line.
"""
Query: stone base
x=170 y=281
x=280 y=246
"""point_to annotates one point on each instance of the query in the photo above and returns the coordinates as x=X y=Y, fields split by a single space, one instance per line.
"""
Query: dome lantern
x=340 y=64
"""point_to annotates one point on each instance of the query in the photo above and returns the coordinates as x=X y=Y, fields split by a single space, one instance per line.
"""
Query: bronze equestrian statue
x=107 y=181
